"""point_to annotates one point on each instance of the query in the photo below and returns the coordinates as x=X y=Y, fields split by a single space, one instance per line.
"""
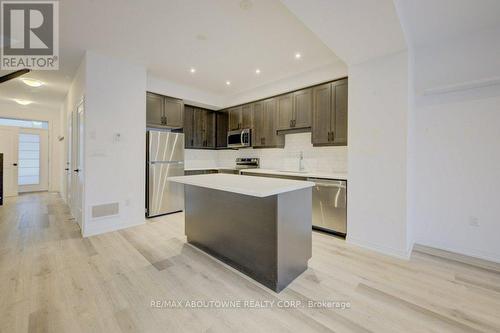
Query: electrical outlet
x=473 y=221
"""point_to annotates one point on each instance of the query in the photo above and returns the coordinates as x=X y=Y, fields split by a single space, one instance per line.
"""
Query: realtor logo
x=30 y=35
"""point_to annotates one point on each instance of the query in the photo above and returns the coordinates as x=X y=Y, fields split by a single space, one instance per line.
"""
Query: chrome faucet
x=301 y=161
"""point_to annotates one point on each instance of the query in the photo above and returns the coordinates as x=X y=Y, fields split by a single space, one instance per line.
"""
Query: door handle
x=76 y=170
x=14 y=164
x=67 y=169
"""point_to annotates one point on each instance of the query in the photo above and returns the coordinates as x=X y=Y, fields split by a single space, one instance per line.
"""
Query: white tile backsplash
x=316 y=159
x=200 y=158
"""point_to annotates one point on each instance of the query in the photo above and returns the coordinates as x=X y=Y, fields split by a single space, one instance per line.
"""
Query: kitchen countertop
x=325 y=175
x=247 y=185
x=214 y=168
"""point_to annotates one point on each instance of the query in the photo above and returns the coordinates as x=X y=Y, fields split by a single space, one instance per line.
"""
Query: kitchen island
x=260 y=226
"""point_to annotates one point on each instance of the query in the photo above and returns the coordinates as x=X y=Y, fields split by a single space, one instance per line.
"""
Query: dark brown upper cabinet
x=294 y=110
x=247 y=116
x=189 y=126
x=240 y=117
x=329 y=125
x=154 y=109
x=321 y=109
x=235 y=118
x=163 y=111
x=221 y=125
x=302 y=108
x=285 y=112
x=199 y=128
x=265 y=124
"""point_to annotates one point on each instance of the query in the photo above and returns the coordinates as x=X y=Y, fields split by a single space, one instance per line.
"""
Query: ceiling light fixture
x=22 y=101
x=192 y=70
x=32 y=82
x=246 y=4
x=257 y=71
x=298 y=55
x=228 y=83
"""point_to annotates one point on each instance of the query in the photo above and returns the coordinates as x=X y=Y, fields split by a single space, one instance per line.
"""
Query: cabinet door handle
x=14 y=164
x=291 y=122
x=333 y=136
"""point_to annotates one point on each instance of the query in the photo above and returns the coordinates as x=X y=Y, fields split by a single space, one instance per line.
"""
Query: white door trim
x=10 y=140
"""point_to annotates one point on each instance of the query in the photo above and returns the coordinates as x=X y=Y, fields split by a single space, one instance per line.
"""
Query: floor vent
x=105 y=210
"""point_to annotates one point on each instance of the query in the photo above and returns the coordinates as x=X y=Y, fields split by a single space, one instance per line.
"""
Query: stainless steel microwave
x=239 y=138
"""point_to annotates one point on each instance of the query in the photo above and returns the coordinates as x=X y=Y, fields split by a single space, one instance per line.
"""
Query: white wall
x=115 y=103
x=458 y=173
x=56 y=148
x=463 y=61
x=378 y=110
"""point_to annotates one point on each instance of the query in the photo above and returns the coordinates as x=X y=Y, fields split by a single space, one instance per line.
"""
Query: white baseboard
x=102 y=227
x=466 y=252
x=390 y=251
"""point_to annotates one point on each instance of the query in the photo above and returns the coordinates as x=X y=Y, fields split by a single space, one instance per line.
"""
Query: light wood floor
x=52 y=280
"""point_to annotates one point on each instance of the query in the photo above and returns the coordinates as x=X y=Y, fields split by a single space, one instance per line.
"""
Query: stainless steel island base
x=267 y=238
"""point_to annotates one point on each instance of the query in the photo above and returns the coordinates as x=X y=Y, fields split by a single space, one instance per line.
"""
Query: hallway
x=52 y=280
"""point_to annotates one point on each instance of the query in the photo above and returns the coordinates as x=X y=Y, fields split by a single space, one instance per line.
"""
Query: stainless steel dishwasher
x=329 y=205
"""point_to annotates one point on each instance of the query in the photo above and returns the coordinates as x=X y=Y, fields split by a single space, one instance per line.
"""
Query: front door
x=33 y=165
x=9 y=142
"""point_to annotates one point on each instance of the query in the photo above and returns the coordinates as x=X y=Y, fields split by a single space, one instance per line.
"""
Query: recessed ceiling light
x=298 y=55
x=246 y=4
x=257 y=71
x=201 y=37
x=228 y=83
x=32 y=82
x=192 y=70
x=22 y=101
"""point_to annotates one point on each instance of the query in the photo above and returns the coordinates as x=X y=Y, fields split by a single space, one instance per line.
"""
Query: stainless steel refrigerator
x=165 y=158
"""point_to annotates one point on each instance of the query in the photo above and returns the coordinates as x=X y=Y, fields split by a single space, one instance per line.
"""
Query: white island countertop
x=305 y=174
x=247 y=185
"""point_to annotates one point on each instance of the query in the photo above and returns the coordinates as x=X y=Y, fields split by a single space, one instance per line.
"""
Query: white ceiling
x=357 y=30
x=222 y=39
x=430 y=21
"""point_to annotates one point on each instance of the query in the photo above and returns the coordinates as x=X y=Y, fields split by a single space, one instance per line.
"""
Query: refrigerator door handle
x=166 y=162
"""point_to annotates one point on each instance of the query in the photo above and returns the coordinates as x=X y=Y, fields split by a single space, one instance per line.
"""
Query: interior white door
x=33 y=157
x=77 y=161
x=9 y=138
x=68 y=169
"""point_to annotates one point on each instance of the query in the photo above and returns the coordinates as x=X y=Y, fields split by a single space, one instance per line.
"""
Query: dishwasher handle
x=328 y=183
